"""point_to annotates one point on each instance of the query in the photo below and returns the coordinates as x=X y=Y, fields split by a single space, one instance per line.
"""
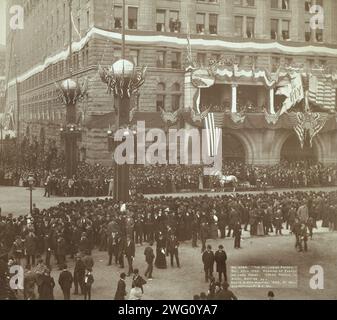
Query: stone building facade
x=260 y=33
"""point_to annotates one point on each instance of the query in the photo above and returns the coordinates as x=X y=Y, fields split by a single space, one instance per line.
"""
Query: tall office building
x=258 y=35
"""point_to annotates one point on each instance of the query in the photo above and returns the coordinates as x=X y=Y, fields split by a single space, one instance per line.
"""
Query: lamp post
x=31 y=182
x=123 y=80
x=70 y=92
x=1 y=150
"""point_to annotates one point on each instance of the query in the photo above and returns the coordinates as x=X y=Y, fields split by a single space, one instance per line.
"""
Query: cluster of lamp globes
x=123 y=68
x=126 y=133
x=71 y=128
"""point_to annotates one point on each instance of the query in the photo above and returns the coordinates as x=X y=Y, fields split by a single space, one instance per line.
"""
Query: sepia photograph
x=168 y=150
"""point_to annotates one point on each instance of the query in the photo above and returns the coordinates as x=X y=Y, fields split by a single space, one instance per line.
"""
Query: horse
x=227 y=180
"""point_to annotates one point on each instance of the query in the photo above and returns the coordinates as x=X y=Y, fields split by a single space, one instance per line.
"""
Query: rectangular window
x=134 y=55
x=118 y=17
x=174 y=23
x=238 y=21
x=201 y=59
x=319 y=35
x=160 y=59
x=289 y=61
x=322 y=63
x=274 y=4
x=285 y=29
x=132 y=17
x=175 y=102
x=307 y=32
x=250 y=3
x=274 y=29
x=310 y=63
x=275 y=63
x=285 y=4
x=213 y=23
x=307 y=6
x=200 y=23
x=176 y=60
x=160 y=20
x=160 y=103
x=250 y=27
x=88 y=19
x=117 y=54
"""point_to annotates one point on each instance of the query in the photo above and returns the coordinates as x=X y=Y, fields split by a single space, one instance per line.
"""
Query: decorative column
x=271 y=101
x=234 y=98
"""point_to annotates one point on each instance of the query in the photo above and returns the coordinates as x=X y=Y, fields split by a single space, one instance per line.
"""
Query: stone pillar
x=234 y=98
x=271 y=101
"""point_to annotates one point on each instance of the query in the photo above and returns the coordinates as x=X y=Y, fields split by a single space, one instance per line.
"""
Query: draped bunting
x=307 y=124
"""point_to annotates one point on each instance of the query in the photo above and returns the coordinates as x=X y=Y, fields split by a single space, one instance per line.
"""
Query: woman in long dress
x=160 y=261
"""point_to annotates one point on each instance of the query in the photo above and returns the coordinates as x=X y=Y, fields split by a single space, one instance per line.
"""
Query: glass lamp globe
x=123 y=67
x=69 y=84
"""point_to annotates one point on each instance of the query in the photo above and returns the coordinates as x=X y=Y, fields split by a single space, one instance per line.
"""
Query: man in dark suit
x=121 y=288
x=203 y=235
x=220 y=258
x=65 y=282
x=120 y=250
x=30 y=246
x=172 y=248
x=79 y=273
x=208 y=261
x=130 y=251
x=138 y=281
x=112 y=247
x=149 y=258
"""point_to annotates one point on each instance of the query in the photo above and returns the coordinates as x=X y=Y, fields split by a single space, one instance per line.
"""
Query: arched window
x=176 y=96
x=160 y=101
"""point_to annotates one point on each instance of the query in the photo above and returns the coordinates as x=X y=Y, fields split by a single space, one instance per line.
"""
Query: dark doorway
x=232 y=149
x=292 y=151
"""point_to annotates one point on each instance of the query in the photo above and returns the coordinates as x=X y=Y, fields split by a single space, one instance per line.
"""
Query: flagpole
x=70 y=61
x=123 y=32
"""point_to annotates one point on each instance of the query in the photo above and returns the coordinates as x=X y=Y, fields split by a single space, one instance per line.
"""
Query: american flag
x=213 y=123
x=321 y=91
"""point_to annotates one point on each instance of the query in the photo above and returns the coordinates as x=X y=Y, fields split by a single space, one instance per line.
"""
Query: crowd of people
x=49 y=238
x=46 y=163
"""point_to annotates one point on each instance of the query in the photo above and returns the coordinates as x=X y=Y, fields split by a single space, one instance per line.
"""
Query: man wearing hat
x=208 y=261
x=79 y=273
x=65 y=282
x=220 y=258
x=225 y=293
x=121 y=288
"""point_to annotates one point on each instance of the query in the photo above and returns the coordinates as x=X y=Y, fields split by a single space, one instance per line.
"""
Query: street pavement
x=183 y=283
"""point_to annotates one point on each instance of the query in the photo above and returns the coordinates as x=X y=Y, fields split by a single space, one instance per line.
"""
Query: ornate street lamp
x=123 y=80
x=69 y=93
x=31 y=182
